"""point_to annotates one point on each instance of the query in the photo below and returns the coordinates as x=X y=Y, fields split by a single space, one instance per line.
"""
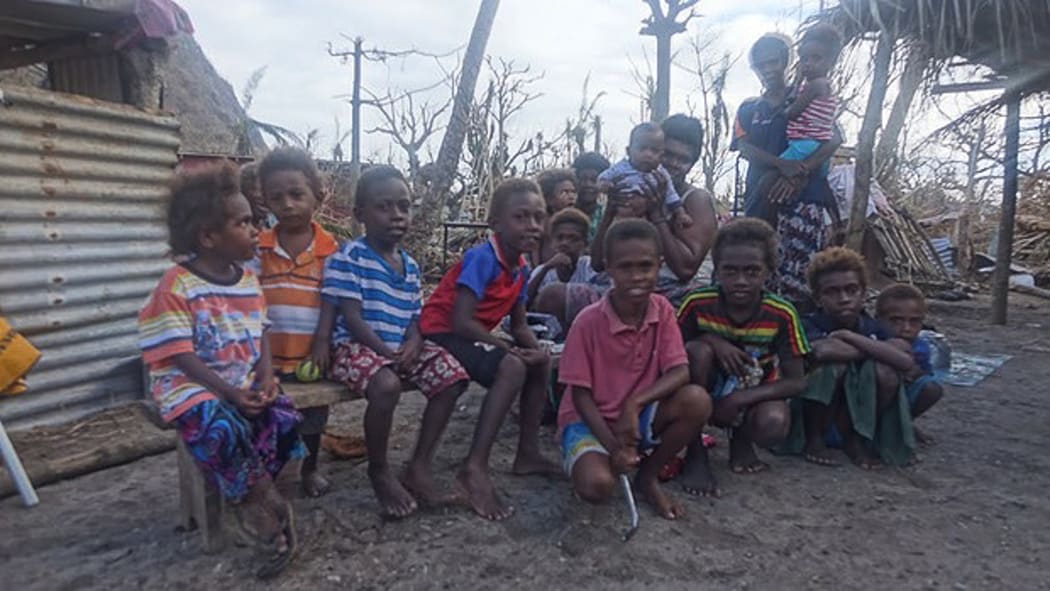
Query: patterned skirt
x=802 y=234
x=233 y=451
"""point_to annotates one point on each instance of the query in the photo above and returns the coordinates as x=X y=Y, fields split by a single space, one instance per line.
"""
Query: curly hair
x=836 y=259
x=746 y=231
x=590 y=161
x=826 y=35
x=506 y=191
x=372 y=176
x=249 y=175
x=685 y=129
x=197 y=203
x=549 y=179
x=571 y=215
x=631 y=229
x=290 y=158
x=899 y=292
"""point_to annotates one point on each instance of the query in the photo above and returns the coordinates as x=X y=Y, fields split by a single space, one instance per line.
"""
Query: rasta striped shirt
x=773 y=332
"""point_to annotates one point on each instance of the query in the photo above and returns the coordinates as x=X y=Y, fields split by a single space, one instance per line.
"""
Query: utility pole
x=355 y=112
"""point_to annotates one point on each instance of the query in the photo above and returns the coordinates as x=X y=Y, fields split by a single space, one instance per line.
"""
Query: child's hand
x=531 y=357
x=248 y=403
x=624 y=459
x=560 y=262
x=727 y=412
x=626 y=428
x=791 y=168
x=733 y=360
x=319 y=354
x=406 y=356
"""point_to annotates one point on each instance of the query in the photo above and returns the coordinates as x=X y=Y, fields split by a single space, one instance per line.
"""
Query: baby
x=628 y=177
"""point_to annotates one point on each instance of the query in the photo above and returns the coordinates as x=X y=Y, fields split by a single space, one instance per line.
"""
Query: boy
x=290 y=266
x=377 y=288
x=747 y=346
x=630 y=175
x=852 y=398
x=902 y=307
x=627 y=373
x=559 y=192
x=588 y=166
x=568 y=231
x=471 y=299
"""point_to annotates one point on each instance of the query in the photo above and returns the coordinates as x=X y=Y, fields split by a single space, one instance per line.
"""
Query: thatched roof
x=1012 y=37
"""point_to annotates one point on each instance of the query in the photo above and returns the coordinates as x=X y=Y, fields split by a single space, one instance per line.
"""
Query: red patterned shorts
x=435 y=370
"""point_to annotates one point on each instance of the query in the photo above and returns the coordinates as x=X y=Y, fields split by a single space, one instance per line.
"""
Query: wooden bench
x=201 y=507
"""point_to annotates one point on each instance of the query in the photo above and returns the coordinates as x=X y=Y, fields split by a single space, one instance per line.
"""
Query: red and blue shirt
x=486 y=272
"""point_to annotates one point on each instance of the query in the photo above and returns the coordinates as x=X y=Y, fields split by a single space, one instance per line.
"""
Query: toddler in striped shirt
x=811 y=117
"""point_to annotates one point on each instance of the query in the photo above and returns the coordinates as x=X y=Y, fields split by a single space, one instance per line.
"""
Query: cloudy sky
x=564 y=39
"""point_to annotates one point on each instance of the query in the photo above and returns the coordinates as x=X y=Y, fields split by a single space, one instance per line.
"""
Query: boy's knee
x=770 y=425
x=886 y=377
x=384 y=388
x=596 y=487
x=511 y=367
x=695 y=403
x=931 y=394
x=699 y=350
x=551 y=300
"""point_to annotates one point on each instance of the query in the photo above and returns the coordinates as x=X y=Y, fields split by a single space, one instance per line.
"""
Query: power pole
x=355 y=111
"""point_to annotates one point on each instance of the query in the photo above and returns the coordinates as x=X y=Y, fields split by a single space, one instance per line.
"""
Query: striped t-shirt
x=390 y=301
x=293 y=294
x=816 y=121
x=773 y=333
x=221 y=324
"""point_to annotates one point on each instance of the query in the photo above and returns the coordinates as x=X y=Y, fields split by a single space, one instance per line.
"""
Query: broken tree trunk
x=1004 y=252
x=866 y=143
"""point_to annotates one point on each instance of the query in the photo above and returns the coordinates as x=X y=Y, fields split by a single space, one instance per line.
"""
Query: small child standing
x=202 y=335
x=902 y=307
x=376 y=286
x=853 y=397
x=290 y=266
x=811 y=117
x=628 y=379
x=568 y=232
x=747 y=347
x=634 y=175
x=471 y=299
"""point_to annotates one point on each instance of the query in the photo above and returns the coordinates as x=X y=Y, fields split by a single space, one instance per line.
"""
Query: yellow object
x=307 y=371
x=17 y=357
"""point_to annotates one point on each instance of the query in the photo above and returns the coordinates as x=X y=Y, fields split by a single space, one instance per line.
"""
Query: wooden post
x=1004 y=251
x=866 y=143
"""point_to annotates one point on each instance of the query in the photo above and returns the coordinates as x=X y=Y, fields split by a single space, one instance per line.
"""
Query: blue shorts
x=913 y=389
x=802 y=149
x=577 y=438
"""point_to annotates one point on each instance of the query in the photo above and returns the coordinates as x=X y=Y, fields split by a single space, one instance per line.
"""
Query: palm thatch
x=1011 y=37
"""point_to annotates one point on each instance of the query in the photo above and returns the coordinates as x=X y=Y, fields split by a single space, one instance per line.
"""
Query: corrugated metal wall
x=82 y=243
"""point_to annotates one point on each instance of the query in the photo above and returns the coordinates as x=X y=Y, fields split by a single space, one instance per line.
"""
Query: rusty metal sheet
x=82 y=243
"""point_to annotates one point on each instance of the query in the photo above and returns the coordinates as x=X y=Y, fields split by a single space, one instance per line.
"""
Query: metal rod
x=632 y=507
x=18 y=473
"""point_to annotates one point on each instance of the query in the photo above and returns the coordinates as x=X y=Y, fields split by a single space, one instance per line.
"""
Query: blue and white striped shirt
x=390 y=302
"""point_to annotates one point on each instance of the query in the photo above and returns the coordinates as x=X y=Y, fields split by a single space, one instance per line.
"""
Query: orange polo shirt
x=293 y=294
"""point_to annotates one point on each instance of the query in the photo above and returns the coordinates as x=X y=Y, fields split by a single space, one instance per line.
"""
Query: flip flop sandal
x=280 y=560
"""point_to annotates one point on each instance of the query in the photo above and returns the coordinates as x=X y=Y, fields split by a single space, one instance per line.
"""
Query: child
x=811 y=117
x=746 y=346
x=262 y=217
x=631 y=176
x=376 y=285
x=290 y=266
x=559 y=192
x=568 y=232
x=902 y=307
x=202 y=336
x=852 y=398
x=587 y=167
x=470 y=300
x=627 y=373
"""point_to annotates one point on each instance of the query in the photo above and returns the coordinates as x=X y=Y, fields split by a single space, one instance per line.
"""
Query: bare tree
x=663 y=24
x=708 y=104
x=915 y=67
x=408 y=121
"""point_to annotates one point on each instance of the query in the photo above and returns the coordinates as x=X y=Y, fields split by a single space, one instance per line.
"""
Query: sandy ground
x=975 y=514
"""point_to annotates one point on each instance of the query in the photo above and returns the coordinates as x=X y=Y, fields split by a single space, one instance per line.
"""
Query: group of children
x=243 y=308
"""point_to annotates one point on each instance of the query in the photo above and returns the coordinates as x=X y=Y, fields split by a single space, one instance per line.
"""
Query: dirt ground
x=974 y=514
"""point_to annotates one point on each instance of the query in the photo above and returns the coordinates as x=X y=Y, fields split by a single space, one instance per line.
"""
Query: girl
x=559 y=192
x=202 y=336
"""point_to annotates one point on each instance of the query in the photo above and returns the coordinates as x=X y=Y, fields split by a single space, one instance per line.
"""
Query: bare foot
x=420 y=482
x=394 y=500
x=665 y=505
x=922 y=437
x=697 y=478
x=535 y=464
x=314 y=484
x=861 y=457
x=743 y=459
x=482 y=495
x=816 y=452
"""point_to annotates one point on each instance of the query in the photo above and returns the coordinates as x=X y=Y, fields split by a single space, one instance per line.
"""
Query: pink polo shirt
x=615 y=360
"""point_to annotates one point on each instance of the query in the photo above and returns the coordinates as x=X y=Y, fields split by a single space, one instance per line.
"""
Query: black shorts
x=480 y=360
